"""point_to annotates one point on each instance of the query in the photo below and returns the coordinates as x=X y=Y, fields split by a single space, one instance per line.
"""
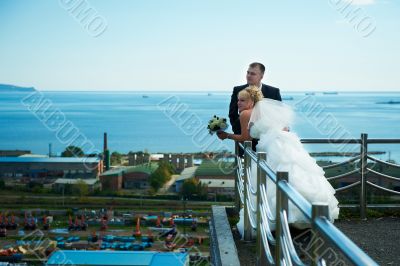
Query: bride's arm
x=244 y=121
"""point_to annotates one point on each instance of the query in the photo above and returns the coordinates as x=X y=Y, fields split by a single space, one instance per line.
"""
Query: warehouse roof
x=72 y=181
x=218 y=183
x=125 y=258
x=187 y=173
x=147 y=168
x=215 y=168
x=49 y=160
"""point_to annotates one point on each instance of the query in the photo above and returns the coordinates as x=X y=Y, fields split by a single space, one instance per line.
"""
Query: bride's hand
x=222 y=135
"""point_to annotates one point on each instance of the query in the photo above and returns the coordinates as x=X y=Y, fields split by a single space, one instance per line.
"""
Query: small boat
x=288 y=98
x=310 y=93
x=330 y=92
x=389 y=102
x=145 y=96
x=209 y=94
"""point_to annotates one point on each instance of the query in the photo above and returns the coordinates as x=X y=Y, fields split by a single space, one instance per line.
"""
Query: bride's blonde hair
x=252 y=92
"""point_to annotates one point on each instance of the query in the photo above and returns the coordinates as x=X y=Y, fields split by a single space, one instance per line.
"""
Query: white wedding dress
x=286 y=153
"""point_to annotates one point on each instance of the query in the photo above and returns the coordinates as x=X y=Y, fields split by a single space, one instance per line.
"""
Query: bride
x=267 y=120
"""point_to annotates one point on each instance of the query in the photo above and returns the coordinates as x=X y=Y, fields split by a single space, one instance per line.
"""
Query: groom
x=255 y=74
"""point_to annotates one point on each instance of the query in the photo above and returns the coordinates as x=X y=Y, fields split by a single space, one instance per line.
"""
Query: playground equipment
x=3 y=232
x=30 y=222
x=137 y=233
x=104 y=223
x=78 y=225
x=6 y=223
x=194 y=226
x=46 y=224
x=158 y=222
x=93 y=237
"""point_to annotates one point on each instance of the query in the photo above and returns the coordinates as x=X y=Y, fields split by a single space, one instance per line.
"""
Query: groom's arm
x=233 y=110
x=271 y=92
x=278 y=95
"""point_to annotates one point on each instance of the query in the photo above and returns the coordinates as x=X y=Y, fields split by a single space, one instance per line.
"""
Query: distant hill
x=12 y=88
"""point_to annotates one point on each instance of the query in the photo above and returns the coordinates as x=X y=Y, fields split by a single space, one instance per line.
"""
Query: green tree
x=189 y=187
x=72 y=151
x=166 y=168
x=81 y=188
x=160 y=176
x=32 y=184
x=193 y=186
x=116 y=158
x=201 y=189
x=2 y=184
x=156 y=180
x=68 y=189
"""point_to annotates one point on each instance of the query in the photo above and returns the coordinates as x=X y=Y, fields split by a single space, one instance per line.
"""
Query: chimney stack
x=105 y=142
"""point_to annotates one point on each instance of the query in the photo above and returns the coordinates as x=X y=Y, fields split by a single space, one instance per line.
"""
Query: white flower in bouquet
x=216 y=124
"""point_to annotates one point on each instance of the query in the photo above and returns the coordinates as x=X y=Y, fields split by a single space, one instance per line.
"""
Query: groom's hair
x=259 y=65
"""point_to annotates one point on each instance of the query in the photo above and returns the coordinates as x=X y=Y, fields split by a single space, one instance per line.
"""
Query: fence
x=363 y=170
x=257 y=217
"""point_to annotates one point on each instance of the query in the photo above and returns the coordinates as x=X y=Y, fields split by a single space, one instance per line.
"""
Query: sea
x=160 y=122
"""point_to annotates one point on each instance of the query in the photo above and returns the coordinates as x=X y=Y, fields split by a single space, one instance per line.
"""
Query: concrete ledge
x=223 y=249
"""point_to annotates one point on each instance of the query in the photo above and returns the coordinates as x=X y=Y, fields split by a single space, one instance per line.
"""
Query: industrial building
x=31 y=168
x=60 y=184
x=133 y=177
x=14 y=153
x=218 y=176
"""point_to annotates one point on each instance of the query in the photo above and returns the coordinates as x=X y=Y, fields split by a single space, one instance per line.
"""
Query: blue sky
x=200 y=45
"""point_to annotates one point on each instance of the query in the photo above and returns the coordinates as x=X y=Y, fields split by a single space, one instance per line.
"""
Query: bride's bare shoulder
x=245 y=113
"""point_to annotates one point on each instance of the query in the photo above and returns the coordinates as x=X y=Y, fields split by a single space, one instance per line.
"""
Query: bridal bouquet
x=216 y=124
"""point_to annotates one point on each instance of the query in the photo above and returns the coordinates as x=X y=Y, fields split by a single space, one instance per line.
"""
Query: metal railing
x=363 y=170
x=258 y=217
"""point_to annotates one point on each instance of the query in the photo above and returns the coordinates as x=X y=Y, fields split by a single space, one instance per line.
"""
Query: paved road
x=167 y=185
x=378 y=237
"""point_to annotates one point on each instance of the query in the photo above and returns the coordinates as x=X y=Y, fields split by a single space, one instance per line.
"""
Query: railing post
x=261 y=180
x=246 y=223
x=281 y=204
x=364 y=162
x=318 y=210
x=237 y=195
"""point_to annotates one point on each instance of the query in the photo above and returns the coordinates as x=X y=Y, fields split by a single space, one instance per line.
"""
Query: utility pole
x=184 y=215
x=63 y=191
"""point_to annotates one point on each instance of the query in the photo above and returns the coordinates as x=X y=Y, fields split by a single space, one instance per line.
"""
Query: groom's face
x=254 y=76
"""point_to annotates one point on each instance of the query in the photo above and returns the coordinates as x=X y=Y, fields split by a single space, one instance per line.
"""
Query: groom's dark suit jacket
x=268 y=92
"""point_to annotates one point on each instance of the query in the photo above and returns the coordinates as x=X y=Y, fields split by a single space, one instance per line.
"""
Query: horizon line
x=224 y=91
